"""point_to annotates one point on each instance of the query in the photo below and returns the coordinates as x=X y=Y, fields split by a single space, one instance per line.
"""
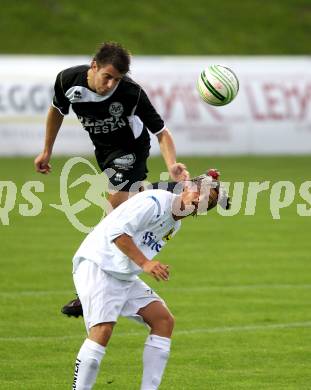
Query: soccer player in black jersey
x=117 y=114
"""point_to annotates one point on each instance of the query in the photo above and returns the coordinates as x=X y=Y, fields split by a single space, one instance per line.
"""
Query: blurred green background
x=240 y=286
x=200 y=27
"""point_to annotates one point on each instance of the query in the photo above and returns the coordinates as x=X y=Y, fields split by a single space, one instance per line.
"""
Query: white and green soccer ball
x=218 y=85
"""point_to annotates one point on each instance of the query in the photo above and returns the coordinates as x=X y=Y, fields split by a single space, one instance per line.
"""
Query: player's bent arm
x=154 y=268
x=176 y=170
x=53 y=124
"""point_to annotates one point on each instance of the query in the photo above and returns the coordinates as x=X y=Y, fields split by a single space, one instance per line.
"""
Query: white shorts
x=104 y=298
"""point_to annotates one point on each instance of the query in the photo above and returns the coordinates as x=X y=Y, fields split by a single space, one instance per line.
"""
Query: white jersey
x=146 y=217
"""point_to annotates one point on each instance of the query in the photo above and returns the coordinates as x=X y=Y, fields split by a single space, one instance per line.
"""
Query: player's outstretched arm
x=53 y=124
x=154 y=268
x=177 y=171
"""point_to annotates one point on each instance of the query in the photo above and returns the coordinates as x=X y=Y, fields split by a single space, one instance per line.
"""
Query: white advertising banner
x=271 y=114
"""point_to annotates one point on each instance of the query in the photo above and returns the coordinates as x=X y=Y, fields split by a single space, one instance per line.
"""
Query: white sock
x=156 y=353
x=87 y=365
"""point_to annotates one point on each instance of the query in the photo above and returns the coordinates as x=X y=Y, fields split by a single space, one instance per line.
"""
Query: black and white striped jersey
x=116 y=122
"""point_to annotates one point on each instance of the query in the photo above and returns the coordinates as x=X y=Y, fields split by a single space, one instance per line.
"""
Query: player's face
x=198 y=200
x=190 y=200
x=105 y=78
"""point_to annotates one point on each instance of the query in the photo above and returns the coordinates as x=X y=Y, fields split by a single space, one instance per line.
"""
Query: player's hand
x=42 y=163
x=156 y=270
x=178 y=172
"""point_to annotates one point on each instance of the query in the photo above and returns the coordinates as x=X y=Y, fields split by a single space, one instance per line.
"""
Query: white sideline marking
x=165 y=289
x=247 y=328
x=224 y=329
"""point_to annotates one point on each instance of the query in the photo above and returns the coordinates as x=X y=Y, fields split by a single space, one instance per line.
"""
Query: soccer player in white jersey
x=106 y=269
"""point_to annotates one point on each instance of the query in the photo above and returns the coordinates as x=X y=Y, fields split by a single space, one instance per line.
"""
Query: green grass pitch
x=203 y=27
x=240 y=290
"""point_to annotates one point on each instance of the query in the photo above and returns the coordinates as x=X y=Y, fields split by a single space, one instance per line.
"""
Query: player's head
x=109 y=65
x=200 y=193
x=203 y=193
x=112 y=53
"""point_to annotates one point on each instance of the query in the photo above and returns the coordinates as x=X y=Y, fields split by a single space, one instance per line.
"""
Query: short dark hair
x=112 y=53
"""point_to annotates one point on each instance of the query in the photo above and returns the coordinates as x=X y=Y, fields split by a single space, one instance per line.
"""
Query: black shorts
x=125 y=173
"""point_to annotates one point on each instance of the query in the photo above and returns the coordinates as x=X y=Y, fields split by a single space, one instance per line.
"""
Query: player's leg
x=90 y=356
x=159 y=319
x=157 y=345
x=146 y=306
x=102 y=298
x=116 y=198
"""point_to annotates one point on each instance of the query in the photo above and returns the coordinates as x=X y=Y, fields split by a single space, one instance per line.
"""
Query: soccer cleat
x=73 y=308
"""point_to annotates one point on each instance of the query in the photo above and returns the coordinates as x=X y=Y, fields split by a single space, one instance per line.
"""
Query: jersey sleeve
x=148 y=114
x=60 y=101
x=137 y=218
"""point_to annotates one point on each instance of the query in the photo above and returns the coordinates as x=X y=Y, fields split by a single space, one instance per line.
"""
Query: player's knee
x=171 y=321
x=167 y=322
x=101 y=333
x=105 y=329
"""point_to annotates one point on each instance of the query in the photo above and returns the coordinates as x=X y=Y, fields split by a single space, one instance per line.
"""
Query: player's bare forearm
x=53 y=123
x=176 y=170
x=167 y=147
x=126 y=245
